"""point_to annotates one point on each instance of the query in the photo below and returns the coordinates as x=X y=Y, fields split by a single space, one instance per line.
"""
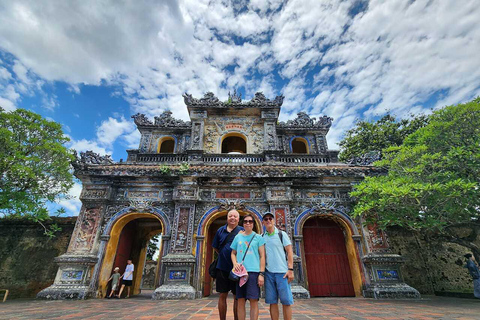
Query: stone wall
x=27 y=255
x=27 y=259
x=148 y=279
x=431 y=266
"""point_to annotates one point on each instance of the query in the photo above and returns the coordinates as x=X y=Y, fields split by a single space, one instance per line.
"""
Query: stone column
x=270 y=140
x=279 y=198
x=75 y=276
x=298 y=286
x=383 y=268
x=195 y=150
x=177 y=274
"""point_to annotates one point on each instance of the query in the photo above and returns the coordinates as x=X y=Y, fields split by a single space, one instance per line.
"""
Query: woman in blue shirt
x=254 y=263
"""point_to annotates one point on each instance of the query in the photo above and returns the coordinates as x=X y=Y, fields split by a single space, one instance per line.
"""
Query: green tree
x=433 y=180
x=35 y=166
x=152 y=247
x=367 y=136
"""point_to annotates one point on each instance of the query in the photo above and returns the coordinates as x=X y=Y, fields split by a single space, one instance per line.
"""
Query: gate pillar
x=75 y=267
x=177 y=273
x=383 y=268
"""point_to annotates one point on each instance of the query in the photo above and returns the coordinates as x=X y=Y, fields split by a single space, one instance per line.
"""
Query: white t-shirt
x=128 y=275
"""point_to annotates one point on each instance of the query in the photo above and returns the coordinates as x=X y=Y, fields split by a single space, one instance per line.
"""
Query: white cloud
x=7 y=105
x=72 y=205
x=86 y=145
x=108 y=133
x=111 y=129
x=393 y=56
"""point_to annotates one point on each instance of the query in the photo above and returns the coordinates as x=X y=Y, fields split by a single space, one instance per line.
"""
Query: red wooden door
x=328 y=269
x=207 y=284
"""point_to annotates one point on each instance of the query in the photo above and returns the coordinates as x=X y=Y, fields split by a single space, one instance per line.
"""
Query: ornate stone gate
x=284 y=168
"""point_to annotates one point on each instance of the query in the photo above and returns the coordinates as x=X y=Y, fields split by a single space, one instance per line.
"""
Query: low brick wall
x=26 y=255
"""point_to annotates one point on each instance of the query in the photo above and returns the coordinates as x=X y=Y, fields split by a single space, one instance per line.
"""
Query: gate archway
x=328 y=237
x=326 y=259
x=209 y=224
x=129 y=235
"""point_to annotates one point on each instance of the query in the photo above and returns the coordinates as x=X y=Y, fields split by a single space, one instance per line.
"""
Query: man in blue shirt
x=221 y=244
x=279 y=269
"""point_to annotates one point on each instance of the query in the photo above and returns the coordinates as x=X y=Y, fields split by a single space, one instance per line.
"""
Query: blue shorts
x=249 y=290
x=276 y=286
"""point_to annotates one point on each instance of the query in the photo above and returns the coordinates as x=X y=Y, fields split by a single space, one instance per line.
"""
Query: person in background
x=127 y=278
x=474 y=272
x=115 y=280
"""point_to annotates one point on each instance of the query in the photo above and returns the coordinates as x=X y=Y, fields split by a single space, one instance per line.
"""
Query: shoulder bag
x=232 y=276
x=212 y=269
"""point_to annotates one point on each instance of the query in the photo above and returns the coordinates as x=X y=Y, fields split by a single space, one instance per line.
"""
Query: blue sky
x=90 y=65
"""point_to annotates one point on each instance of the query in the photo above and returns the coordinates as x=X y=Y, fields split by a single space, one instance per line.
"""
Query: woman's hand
x=237 y=267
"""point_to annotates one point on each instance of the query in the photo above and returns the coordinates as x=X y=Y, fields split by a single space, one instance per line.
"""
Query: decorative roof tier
x=87 y=167
x=165 y=120
x=303 y=121
x=235 y=100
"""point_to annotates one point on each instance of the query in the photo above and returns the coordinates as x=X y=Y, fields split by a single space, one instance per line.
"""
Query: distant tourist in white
x=127 y=278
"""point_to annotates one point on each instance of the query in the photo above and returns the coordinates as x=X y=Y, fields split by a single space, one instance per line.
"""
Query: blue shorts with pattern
x=276 y=286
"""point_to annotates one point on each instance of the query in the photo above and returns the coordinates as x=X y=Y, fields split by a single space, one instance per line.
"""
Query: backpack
x=280 y=235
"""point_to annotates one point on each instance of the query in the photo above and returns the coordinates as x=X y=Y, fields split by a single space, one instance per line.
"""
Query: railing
x=161 y=157
x=233 y=158
x=299 y=158
x=229 y=158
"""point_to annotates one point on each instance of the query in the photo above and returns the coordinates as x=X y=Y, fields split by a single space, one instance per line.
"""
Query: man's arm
x=261 y=277
x=289 y=273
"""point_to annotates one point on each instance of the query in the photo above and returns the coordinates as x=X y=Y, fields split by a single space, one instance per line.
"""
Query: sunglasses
x=267 y=219
x=247 y=221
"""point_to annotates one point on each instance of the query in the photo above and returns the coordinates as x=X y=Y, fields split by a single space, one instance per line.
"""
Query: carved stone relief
x=282 y=217
x=182 y=232
x=145 y=142
x=94 y=193
x=85 y=230
x=196 y=136
x=270 y=136
x=215 y=128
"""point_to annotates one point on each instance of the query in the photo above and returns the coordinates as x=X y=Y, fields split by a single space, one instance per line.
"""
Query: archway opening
x=150 y=276
x=129 y=239
x=299 y=145
x=327 y=261
x=234 y=143
x=167 y=145
x=212 y=226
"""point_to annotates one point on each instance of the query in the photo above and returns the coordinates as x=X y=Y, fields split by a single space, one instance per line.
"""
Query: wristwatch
x=262 y=273
x=290 y=269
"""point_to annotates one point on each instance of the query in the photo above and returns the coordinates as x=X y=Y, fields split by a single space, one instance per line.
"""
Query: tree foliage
x=35 y=166
x=152 y=247
x=433 y=179
x=375 y=136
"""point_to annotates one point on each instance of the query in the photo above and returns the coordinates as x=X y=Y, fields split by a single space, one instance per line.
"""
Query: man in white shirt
x=127 y=278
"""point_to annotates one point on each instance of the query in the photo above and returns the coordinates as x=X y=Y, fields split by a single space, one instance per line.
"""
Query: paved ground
x=317 y=308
